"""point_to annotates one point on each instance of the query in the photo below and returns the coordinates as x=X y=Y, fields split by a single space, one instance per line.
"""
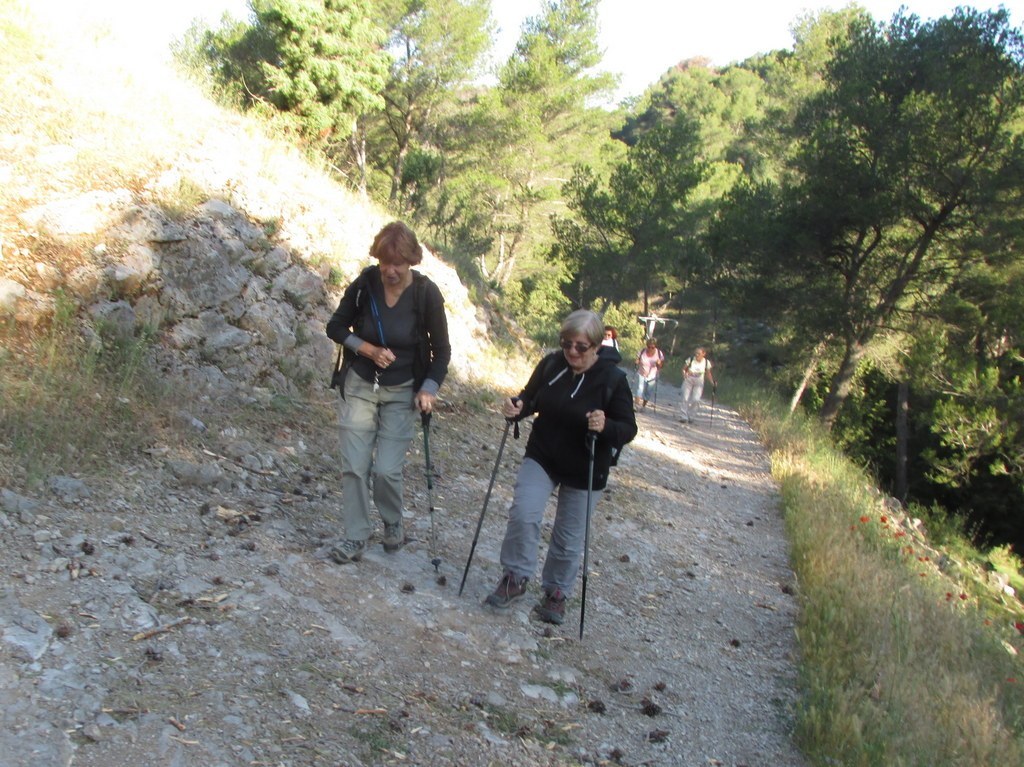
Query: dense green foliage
x=856 y=199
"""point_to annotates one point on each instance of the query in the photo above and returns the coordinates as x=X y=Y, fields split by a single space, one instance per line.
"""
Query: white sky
x=641 y=39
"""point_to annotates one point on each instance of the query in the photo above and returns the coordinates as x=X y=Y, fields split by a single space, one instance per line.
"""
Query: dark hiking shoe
x=508 y=591
x=394 y=537
x=551 y=609
x=347 y=551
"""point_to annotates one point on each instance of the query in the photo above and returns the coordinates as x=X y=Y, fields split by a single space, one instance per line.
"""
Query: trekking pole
x=487 y=497
x=591 y=439
x=435 y=560
x=714 y=389
x=654 y=402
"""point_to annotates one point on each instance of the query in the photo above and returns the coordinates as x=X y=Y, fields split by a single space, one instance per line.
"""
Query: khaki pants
x=376 y=429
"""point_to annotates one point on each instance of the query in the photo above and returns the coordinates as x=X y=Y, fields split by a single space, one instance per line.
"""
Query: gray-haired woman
x=573 y=392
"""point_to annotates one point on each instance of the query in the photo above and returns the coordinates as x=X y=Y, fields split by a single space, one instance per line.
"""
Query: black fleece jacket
x=428 y=350
x=561 y=400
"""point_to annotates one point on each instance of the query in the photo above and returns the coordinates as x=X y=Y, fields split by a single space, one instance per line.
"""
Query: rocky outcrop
x=231 y=310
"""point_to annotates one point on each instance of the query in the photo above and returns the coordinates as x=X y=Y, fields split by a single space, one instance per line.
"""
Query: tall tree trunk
x=839 y=389
x=902 y=436
x=812 y=363
x=357 y=145
x=802 y=387
x=397 y=170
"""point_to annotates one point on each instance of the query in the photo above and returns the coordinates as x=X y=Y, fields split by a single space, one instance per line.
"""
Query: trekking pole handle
x=425 y=419
x=511 y=421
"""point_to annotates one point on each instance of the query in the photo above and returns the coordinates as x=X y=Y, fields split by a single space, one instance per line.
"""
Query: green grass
x=908 y=655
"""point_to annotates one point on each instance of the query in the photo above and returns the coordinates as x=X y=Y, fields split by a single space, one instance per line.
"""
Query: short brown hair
x=397 y=239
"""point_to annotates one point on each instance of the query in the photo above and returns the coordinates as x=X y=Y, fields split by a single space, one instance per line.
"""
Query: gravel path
x=183 y=612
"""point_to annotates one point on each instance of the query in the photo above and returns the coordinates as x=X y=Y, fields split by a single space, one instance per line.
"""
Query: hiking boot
x=394 y=537
x=508 y=591
x=551 y=609
x=347 y=551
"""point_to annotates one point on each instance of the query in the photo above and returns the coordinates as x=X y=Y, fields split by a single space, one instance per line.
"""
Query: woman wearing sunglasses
x=574 y=391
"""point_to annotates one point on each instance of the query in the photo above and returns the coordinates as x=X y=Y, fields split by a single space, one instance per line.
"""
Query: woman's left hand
x=596 y=421
x=425 y=401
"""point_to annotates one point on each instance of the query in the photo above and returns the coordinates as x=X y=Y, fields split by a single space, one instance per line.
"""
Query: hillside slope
x=175 y=606
x=108 y=165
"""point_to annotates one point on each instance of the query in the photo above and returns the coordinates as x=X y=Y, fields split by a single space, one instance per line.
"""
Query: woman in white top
x=695 y=370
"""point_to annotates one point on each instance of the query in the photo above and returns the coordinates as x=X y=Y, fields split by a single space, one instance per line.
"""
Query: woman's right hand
x=381 y=356
x=511 y=407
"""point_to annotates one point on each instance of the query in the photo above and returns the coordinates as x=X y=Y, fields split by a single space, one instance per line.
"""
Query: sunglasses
x=578 y=346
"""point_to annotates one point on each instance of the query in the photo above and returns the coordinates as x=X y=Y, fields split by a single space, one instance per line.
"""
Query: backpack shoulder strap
x=362 y=283
x=615 y=375
x=550 y=364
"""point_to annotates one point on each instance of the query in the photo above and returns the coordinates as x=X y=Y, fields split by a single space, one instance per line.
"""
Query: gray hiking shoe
x=551 y=609
x=394 y=537
x=347 y=551
x=508 y=591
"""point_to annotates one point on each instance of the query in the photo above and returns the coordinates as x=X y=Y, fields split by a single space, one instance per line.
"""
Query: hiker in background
x=611 y=337
x=648 y=364
x=393 y=330
x=695 y=370
x=574 y=391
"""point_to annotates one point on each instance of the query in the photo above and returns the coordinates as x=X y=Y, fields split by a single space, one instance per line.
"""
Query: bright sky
x=641 y=39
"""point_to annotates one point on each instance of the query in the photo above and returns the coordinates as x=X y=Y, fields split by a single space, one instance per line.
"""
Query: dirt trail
x=163 y=617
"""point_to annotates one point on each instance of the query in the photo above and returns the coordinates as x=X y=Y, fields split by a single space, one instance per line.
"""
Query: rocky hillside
x=131 y=194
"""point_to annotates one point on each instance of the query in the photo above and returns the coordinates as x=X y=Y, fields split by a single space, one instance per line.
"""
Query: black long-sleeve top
x=561 y=400
x=415 y=329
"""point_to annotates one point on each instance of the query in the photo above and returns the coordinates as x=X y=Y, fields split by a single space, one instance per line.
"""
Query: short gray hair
x=583 y=322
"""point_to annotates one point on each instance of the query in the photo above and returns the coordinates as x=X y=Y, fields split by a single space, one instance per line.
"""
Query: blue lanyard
x=380 y=334
x=376 y=318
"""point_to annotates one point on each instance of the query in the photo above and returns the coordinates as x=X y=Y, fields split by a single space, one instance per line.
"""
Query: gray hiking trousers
x=519 y=550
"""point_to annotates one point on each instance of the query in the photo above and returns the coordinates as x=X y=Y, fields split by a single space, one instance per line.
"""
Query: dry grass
x=906 y=661
x=83 y=110
x=72 y=404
